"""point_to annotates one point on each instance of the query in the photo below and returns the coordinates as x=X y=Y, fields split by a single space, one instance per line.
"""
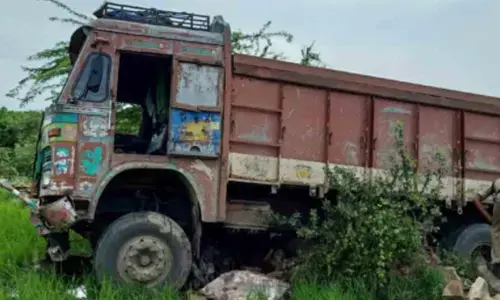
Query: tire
x=473 y=238
x=145 y=248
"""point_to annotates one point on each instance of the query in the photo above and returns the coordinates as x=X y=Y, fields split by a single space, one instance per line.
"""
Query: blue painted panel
x=65 y=118
x=194 y=132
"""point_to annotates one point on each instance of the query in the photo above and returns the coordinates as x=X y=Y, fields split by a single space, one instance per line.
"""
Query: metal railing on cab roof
x=153 y=16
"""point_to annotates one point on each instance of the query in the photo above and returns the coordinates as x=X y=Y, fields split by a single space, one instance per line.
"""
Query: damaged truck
x=223 y=137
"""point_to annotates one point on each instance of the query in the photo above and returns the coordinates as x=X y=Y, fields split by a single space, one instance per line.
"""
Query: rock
x=497 y=297
x=80 y=293
x=449 y=274
x=454 y=290
x=238 y=285
x=479 y=290
x=484 y=272
x=275 y=274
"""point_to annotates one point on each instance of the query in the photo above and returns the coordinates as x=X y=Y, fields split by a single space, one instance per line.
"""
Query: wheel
x=474 y=240
x=144 y=248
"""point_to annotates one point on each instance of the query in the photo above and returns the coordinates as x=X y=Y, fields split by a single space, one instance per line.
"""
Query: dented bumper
x=56 y=216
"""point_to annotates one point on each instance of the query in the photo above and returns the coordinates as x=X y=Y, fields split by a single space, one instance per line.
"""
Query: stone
x=497 y=297
x=449 y=274
x=454 y=290
x=479 y=290
x=239 y=285
x=80 y=292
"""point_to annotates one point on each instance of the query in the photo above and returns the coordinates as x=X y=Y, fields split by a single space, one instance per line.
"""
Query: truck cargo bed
x=288 y=121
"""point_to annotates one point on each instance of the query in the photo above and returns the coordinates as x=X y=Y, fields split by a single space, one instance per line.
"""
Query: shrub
x=371 y=224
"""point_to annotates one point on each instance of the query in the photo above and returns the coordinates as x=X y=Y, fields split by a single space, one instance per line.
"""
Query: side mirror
x=96 y=72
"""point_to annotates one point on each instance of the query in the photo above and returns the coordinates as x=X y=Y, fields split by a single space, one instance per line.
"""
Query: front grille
x=46 y=159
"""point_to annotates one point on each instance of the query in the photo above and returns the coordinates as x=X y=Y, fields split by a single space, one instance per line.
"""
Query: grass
x=20 y=247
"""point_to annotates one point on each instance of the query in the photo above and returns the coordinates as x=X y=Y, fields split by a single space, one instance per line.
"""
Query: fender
x=195 y=194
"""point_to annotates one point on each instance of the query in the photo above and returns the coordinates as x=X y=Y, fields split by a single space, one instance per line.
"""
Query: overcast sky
x=449 y=43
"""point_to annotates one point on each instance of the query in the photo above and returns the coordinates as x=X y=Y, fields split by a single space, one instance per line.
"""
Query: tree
x=18 y=134
x=52 y=66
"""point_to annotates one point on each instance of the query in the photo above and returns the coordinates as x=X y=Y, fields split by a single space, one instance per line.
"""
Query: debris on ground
x=80 y=293
x=454 y=290
x=239 y=285
x=449 y=273
x=479 y=290
x=487 y=275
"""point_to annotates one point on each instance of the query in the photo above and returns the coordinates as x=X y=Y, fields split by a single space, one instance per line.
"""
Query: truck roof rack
x=153 y=16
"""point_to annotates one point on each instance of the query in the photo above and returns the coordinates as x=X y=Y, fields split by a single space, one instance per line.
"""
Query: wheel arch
x=194 y=194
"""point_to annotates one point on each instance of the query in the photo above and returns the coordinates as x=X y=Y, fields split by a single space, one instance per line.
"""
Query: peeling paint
x=202 y=167
x=396 y=110
x=303 y=171
x=484 y=165
x=351 y=153
x=259 y=133
x=257 y=168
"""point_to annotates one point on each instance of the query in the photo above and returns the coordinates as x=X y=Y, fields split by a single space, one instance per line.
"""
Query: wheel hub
x=144 y=260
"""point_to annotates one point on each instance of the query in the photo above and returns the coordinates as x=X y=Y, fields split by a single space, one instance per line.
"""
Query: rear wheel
x=144 y=248
x=472 y=241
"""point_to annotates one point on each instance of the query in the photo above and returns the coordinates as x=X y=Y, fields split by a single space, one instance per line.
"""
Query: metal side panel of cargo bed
x=285 y=126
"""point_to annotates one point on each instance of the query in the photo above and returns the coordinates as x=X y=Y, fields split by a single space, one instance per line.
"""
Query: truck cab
x=164 y=74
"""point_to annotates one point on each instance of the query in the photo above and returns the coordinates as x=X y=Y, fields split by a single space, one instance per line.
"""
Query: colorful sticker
x=144 y=44
x=94 y=127
x=61 y=161
x=85 y=187
x=65 y=118
x=92 y=160
x=195 y=132
x=198 y=51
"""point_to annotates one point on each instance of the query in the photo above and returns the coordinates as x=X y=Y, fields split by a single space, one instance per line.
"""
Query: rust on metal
x=279 y=123
x=354 y=83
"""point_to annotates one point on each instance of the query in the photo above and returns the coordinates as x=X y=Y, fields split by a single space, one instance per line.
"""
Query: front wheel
x=144 y=248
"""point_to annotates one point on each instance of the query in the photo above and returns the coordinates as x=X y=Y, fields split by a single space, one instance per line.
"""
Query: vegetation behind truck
x=223 y=137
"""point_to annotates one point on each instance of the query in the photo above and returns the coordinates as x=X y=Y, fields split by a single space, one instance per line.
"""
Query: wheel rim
x=144 y=260
x=483 y=251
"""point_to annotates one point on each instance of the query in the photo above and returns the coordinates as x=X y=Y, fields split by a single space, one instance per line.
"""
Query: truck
x=224 y=137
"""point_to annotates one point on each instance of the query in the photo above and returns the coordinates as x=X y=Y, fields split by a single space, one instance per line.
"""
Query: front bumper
x=40 y=227
x=52 y=221
x=56 y=216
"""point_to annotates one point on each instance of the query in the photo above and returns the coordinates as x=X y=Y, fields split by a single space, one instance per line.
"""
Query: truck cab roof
x=153 y=16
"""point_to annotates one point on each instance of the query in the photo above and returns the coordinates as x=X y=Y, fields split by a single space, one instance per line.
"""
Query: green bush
x=370 y=225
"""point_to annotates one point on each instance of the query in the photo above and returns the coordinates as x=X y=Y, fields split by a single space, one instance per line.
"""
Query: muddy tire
x=144 y=248
x=472 y=240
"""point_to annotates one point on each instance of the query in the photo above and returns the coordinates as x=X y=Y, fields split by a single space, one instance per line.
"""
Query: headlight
x=45 y=179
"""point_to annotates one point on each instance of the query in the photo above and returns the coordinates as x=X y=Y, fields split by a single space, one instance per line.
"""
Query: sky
x=453 y=44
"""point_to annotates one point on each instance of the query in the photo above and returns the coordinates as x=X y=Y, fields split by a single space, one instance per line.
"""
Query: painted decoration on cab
x=85 y=187
x=93 y=126
x=194 y=132
x=64 y=118
x=92 y=160
x=61 y=162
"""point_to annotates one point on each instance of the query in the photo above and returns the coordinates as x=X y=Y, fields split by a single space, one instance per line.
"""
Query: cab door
x=81 y=153
x=195 y=112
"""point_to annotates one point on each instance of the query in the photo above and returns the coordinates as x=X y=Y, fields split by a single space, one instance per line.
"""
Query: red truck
x=223 y=136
